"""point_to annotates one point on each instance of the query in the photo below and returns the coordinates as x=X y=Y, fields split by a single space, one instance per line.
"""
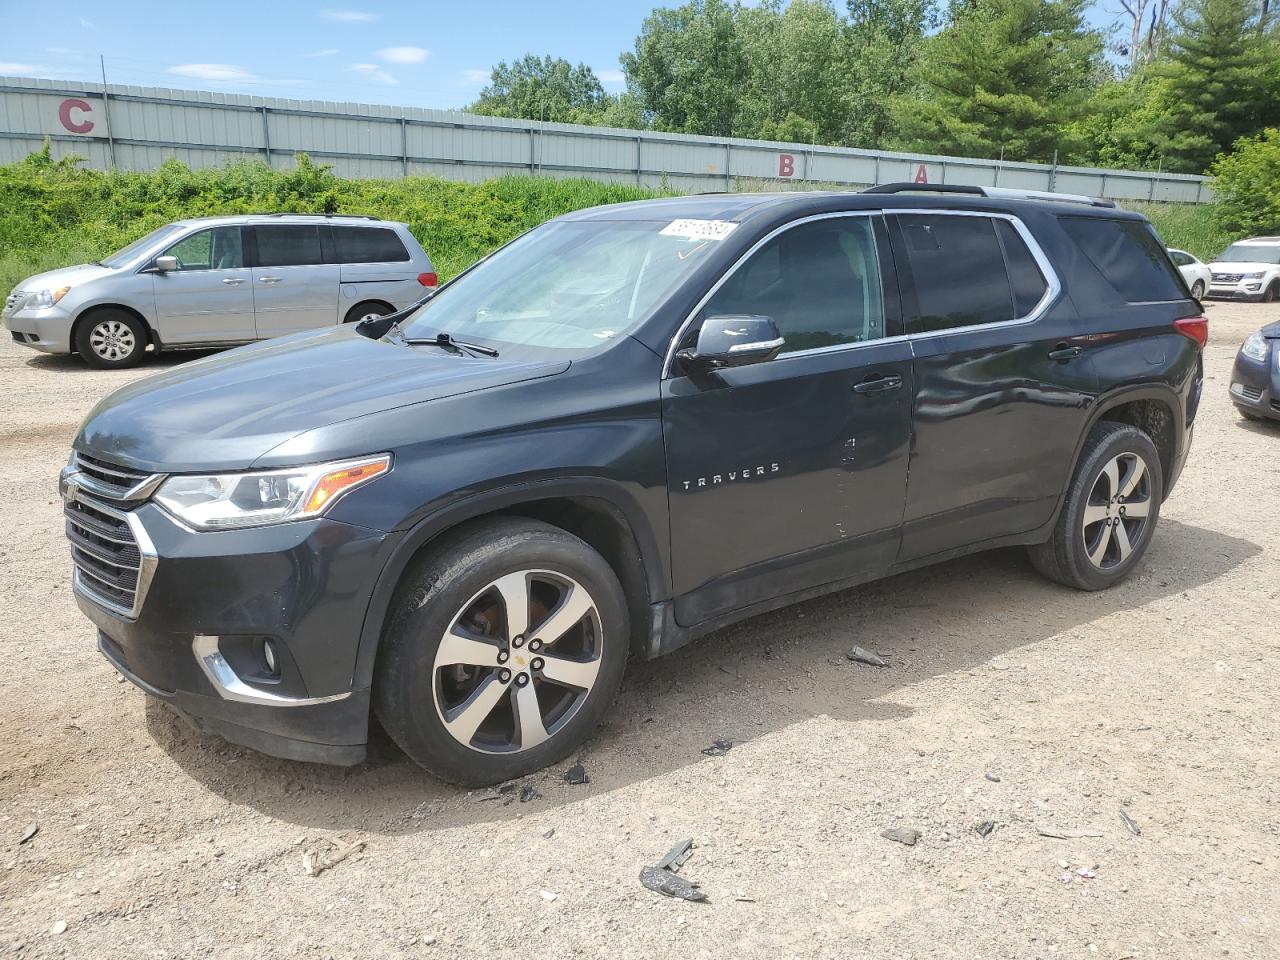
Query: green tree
x=542 y=88
x=1246 y=185
x=885 y=38
x=689 y=68
x=1221 y=82
x=1002 y=78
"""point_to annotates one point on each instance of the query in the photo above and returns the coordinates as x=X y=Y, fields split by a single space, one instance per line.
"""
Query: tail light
x=1196 y=328
x=428 y=279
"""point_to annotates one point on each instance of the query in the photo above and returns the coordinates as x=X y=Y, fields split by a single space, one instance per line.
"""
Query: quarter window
x=288 y=245
x=368 y=245
x=216 y=249
x=1028 y=283
x=819 y=281
x=959 y=274
x=1129 y=257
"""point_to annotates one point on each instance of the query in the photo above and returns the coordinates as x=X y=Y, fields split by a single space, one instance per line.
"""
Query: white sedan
x=1196 y=274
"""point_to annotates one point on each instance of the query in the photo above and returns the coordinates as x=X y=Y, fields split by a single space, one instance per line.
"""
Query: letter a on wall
x=922 y=175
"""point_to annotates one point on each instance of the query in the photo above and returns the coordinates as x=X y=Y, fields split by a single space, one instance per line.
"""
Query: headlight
x=226 y=500
x=1255 y=348
x=1258 y=275
x=47 y=298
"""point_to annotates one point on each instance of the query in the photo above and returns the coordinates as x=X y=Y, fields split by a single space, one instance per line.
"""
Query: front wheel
x=1272 y=292
x=111 y=339
x=1197 y=290
x=1110 y=513
x=505 y=647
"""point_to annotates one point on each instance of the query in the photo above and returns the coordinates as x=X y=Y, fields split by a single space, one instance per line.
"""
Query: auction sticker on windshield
x=698 y=229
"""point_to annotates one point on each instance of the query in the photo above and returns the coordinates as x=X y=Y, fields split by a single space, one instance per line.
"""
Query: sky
x=423 y=54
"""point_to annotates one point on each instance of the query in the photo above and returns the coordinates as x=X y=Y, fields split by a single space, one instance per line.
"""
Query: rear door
x=376 y=265
x=209 y=298
x=293 y=287
x=791 y=473
x=1003 y=379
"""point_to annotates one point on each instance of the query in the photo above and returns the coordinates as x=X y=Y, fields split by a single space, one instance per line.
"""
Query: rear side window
x=368 y=245
x=1129 y=257
x=288 y=245
x=1028 y=283
x=958 y=269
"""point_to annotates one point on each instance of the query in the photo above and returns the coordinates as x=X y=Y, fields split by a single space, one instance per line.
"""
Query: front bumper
x=211 y=602
x=48 y=330
x=1242 y=290
x=1255 y=384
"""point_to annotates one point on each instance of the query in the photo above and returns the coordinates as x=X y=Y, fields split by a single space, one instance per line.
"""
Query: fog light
x=269 y=657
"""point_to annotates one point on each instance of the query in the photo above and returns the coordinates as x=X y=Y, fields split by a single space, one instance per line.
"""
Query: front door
x=1003 y=380
x=791 y=473
x=209 y=298
x=293 y=288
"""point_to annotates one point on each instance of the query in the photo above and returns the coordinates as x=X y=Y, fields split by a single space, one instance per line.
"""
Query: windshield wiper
x=446 y=341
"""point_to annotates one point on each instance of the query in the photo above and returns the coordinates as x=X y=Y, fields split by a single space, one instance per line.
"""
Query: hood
x=64 y=277
x=1243 y=266
x=226 y=411
x=1271 y=330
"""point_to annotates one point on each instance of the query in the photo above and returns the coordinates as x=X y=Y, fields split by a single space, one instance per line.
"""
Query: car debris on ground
x=316 y=861
x=1063 y=833
x=907 y=835
x=577 y=774
x=859 y=655
x=983 y=828
x=662 y=877
x=32 y=829
x=719 y=747
x=1131 y=824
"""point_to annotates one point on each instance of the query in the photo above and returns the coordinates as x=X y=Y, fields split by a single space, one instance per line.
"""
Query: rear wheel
x=505 y=647
x=111 y=339
x=369 y=310
x=1110 y=513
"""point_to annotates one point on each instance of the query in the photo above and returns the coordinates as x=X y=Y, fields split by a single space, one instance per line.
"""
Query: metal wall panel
x=203 y=129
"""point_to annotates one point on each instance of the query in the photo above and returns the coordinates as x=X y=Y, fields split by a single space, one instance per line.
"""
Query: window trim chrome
x=1053 y=285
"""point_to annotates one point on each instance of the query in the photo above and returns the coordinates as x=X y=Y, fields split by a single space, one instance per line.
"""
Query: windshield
x=126 y=254
x=1250 y=253
x=569 y=285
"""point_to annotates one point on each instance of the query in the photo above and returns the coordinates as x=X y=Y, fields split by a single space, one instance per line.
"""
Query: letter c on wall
x=69 y=122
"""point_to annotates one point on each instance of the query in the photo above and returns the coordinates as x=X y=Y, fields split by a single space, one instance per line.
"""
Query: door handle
x=878 y=384
x=268 y=279
x=233 y=281
x=1062 y=353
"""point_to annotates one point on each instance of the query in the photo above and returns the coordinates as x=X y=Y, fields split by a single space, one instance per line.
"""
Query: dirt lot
x=1006 y=699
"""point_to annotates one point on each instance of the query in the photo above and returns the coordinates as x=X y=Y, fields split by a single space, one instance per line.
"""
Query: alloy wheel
x=1115 y=516
x=517 y=662
x=112 y=340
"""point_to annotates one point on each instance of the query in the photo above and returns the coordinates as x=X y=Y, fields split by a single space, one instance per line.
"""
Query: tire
x=463 y=721
x=111 y=339
x=367 y=310
x=1197 y=290
x=1085 y=551
x=1269 y=295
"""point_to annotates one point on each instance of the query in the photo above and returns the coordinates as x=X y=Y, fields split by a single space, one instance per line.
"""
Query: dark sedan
x=1255 y=381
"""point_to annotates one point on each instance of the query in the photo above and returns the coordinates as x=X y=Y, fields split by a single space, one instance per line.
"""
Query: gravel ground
x=1006 y=699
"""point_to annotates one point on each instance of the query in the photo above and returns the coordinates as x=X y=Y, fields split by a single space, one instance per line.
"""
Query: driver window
x=820 y=282
x=216 y=249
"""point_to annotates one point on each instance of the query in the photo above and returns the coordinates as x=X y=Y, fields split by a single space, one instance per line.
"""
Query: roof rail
x=349 y=216
x=997 y=193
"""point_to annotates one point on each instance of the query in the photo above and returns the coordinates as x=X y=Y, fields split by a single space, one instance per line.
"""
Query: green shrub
x=1191 y=227
x=1246 y=185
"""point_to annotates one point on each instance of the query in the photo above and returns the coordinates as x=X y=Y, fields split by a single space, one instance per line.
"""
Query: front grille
x=110 y=481
x=1227 y=277
x=1250 y=393
x=107 y=558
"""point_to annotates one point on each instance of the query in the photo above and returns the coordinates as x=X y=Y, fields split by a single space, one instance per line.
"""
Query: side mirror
x=734 y=342
x=165 y=264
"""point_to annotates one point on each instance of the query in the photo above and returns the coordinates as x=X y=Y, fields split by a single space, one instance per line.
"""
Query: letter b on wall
x=786 y=165
x=71 y=114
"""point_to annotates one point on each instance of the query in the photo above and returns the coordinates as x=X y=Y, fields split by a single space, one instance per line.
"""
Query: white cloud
x=326 y=52
x=611 y=76
x=22 y=69
x=403 y=54
x=87 y=24
x=373 y=72
x=349 y=16
x=215 y=72
x=476 y=76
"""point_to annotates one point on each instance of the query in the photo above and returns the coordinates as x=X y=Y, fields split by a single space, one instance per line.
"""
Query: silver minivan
x=220 y=281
